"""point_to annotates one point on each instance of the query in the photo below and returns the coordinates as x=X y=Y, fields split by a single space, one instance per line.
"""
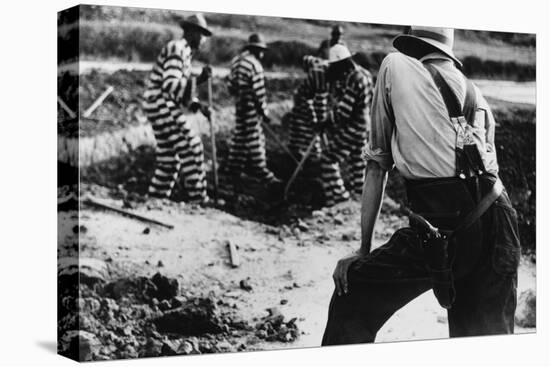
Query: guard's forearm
x=371 y=202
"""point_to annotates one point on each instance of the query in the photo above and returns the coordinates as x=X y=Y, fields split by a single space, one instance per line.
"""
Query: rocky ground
x=149 y=291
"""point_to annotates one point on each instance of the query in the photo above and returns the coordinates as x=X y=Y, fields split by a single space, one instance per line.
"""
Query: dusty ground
x=287 y=267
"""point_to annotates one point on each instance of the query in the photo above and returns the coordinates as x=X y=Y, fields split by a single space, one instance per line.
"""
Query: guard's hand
x=340 y=274
x=205 y=74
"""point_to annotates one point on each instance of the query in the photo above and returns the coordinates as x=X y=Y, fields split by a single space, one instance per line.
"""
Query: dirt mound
x=274 y=328
x=146 y=317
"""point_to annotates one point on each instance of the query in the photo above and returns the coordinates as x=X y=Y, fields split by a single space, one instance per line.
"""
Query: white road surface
x=510 y=91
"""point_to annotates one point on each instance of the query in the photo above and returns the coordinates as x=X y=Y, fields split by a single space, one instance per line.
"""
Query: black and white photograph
x=233 y=183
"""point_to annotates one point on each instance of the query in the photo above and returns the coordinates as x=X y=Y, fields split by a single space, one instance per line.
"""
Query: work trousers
x=396 y=273
x=179 y=151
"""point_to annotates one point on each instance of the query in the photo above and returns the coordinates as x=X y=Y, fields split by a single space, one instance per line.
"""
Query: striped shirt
x=315 y=87
x=246 y=81
x=171 y=72
x=351 y=104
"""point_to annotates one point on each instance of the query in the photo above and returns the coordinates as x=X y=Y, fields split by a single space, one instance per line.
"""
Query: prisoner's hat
x=338 y=52
x=256 y=40
x=337 y=30
x=196 y=21
x=417 y=37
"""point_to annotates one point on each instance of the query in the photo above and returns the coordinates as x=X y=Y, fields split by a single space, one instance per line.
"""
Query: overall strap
x=451 y=100
x=468 y=157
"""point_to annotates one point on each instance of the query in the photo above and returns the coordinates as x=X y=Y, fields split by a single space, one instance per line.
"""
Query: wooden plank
x=66 y=108
x=233 y=254
x=98 y=102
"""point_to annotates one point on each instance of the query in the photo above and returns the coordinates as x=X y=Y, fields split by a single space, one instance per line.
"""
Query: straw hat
x=418 y=37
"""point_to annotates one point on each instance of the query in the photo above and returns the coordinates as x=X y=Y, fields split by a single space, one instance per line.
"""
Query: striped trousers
x=342 y=149
x=179 y=151
x=247 y=146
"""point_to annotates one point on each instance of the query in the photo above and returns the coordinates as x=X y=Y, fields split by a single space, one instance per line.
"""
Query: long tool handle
x=92 y=202
x=279 y=142
x=300 y=165
x=213 y=141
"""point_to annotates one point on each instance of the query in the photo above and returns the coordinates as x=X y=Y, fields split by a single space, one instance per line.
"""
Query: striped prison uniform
x=247 y=145
x=179 y=150
x=350 y=104
x=310 y=107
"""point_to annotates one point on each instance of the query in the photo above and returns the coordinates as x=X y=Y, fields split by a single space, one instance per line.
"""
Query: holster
x=445 y=203
x=439 y=257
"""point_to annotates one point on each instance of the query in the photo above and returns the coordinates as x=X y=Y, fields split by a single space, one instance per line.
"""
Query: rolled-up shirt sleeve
x=489 y=156
x=382 y=122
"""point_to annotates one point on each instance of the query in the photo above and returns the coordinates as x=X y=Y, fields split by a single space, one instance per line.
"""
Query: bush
x=490 y=69
x=126 y=41
x=516 y=150
x=287 y=53
x=220 y=50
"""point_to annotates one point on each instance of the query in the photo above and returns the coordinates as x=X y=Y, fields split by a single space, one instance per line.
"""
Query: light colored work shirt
x=410 y=126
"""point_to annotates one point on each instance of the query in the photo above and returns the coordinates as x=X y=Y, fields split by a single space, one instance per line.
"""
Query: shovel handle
x=299 y=167
x=213 y=141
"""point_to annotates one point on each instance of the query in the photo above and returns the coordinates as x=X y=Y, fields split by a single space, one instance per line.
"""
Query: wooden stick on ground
x=233 y=254
x=66 y=108
x=98 y=102
x=97 y=204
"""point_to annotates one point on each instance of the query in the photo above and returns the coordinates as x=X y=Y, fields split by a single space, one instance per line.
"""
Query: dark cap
x=196 y=21
x=256 y=40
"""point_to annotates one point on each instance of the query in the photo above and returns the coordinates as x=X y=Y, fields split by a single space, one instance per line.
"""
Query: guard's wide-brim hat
x=196 y=21
x=256 y=40
x=418 y=37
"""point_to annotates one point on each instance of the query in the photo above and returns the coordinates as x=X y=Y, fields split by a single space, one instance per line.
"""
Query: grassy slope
x=133 y=34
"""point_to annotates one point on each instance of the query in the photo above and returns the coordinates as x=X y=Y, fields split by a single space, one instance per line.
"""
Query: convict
x=310 y=107
x=168 y=95
x=246 y=83
x=351 y=89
